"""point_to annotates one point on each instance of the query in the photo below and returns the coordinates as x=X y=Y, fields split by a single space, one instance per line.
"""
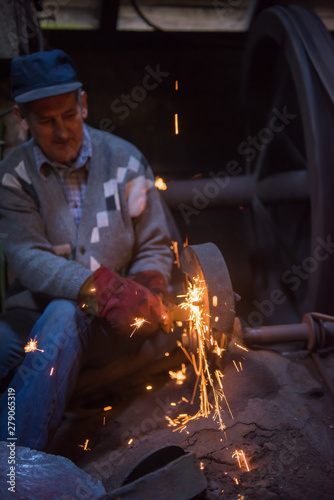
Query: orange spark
x=107 y=408
x=179 y=376
x=240 y=454
x=130 y=441
x=51 y=372
x=32 y=346
x=198 y=323
x=85 y=446
x=241 y=347
x=236 y=367
x=175 y=248
x=176 y=124
x=171 y=422
x=148 y=387
x=217 y=349
x=138 y=322
x=160 y=184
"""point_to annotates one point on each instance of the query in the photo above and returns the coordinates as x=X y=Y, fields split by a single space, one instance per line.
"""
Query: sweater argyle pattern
x=122 y=226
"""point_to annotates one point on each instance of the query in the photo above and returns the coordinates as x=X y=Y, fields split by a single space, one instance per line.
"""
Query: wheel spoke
x=275 y=101
x=293 y=151
x=260 y=162
x=266 y=217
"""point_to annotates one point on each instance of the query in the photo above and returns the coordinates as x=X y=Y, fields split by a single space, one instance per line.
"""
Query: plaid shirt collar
x=85 y=154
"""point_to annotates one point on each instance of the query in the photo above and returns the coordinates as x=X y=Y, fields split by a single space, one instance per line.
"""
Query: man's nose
x=60 y=129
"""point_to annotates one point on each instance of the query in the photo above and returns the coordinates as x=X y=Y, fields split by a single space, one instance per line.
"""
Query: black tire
x=288 y=66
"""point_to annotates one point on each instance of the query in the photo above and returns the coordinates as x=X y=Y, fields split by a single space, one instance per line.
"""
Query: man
x=77 y=215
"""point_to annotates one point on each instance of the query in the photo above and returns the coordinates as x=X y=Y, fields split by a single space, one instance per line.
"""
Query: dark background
x=208 y=69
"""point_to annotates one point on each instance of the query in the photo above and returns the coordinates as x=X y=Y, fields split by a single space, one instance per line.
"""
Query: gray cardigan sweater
x=122 y=224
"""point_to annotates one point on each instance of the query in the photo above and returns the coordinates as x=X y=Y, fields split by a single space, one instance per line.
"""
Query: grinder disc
x=206 y=263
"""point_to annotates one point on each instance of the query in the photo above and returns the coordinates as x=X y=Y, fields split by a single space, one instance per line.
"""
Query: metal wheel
x=287 y=97
x=204 y=264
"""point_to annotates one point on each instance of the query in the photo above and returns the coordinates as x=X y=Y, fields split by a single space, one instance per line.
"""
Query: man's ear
x=21 y=119
x=84 y=104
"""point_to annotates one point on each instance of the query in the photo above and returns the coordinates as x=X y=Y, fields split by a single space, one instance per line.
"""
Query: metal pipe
x=276 y=333
x=222 y=190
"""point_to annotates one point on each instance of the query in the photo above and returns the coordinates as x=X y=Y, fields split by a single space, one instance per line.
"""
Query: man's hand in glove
x=154 y=281
x=122 y=302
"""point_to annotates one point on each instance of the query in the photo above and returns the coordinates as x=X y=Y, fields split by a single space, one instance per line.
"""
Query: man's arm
x=29 y=251
x=152 y=239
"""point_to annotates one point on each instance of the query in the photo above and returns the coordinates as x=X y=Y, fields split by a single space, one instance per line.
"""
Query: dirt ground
x=281 y=415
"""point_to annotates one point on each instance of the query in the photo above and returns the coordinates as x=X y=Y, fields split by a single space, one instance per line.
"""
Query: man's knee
x=66 y=308
x=63 y=324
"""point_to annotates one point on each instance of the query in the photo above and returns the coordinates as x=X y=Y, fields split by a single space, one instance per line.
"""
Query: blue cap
x=42 y=74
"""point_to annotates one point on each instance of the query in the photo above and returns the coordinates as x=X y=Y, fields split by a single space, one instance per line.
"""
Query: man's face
x=56 y=123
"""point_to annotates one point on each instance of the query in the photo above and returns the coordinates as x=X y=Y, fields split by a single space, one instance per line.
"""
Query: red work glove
x=154 y=281
x=121 y=301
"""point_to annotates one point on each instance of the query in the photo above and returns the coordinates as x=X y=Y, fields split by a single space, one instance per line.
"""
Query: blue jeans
x=44 y=381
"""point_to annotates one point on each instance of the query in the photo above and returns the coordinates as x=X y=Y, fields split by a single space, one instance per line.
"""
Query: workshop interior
x=232 y=104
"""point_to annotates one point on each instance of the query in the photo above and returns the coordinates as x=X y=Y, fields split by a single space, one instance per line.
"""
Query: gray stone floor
x=283 y=420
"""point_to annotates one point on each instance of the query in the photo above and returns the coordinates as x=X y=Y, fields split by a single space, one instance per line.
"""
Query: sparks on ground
x=179 y=376
x=240 y=456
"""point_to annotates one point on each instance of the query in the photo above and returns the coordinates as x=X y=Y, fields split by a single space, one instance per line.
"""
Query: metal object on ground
x=168 y=473
x=316 y=330
x=206 y=263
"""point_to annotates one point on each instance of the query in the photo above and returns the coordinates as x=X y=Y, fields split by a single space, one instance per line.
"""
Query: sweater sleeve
x=152 y=250
x=28 y=250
